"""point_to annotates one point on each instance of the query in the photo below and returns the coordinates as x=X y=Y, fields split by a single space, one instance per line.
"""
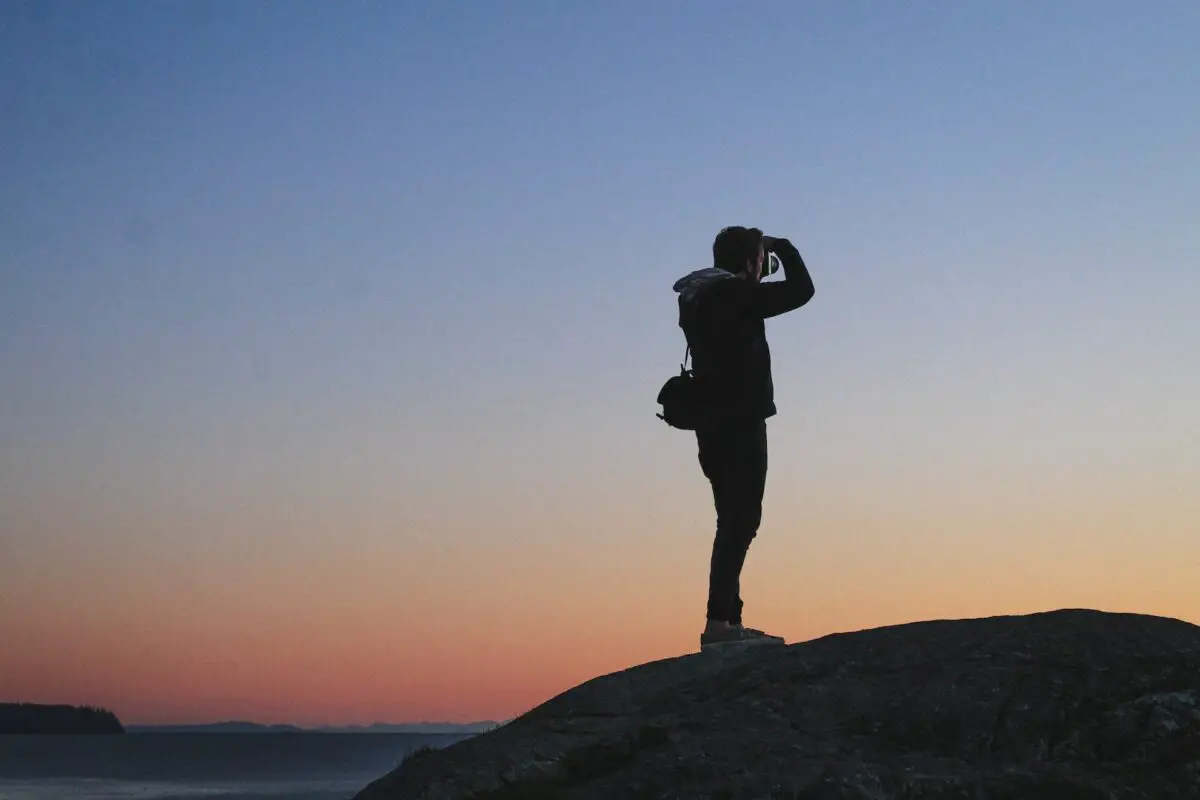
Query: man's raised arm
x=777 y=297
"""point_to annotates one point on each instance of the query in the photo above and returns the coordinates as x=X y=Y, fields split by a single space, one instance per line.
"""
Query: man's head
x=739 y=250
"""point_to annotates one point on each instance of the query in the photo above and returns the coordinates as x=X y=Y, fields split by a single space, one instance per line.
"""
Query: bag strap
x=686 y=354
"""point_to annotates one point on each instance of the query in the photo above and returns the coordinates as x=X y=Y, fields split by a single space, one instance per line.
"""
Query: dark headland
x=1063 y=705
x=28 y=718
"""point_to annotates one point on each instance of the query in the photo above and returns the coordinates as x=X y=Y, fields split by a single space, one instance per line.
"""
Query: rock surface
x=1064 y=705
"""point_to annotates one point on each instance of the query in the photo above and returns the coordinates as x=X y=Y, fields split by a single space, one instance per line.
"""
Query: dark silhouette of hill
x=1063 y=705
x=23 y=718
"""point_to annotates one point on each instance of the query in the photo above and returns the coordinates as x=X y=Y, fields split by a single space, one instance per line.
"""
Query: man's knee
x=738 y=530
x=748 y=514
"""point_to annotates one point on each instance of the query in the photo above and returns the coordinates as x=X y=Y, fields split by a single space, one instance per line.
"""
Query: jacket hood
x=690 y=285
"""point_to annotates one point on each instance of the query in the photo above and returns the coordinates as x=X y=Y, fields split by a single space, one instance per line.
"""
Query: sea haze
x=224 y=766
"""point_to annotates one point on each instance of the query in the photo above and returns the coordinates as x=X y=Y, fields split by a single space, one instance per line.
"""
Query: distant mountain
x=234 y=726
x=35 y=718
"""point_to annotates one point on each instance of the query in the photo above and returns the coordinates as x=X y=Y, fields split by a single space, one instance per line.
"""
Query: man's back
x=731 y=359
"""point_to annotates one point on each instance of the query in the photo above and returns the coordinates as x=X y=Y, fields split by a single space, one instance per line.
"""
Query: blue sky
x=408 y=266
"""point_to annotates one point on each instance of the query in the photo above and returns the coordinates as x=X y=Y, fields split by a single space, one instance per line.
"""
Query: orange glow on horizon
x=385 y=642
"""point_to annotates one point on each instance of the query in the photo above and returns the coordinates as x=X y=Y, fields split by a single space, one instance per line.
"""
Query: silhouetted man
x=721 y=312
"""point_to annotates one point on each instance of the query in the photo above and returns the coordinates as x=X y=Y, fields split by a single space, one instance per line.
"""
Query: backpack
x=680 y=398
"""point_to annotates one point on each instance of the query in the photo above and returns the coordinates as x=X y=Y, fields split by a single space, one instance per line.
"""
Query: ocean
x=202 y=766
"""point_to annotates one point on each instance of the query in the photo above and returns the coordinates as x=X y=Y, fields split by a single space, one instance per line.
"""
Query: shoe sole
x=738 y=644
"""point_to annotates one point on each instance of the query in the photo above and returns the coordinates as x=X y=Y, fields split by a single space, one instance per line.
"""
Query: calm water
x=214 y=766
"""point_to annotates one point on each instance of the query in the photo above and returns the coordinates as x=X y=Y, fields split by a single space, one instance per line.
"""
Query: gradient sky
x=330 y=335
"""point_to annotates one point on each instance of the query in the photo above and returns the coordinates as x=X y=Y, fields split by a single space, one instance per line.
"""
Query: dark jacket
x=722 y=316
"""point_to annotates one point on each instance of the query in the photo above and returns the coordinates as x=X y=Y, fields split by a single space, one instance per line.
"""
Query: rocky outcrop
x=1064 y=705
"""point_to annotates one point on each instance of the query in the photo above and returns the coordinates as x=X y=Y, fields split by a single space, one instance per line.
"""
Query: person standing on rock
x=722 y=311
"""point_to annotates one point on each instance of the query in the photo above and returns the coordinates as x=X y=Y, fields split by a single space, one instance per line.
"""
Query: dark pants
x=734 y=459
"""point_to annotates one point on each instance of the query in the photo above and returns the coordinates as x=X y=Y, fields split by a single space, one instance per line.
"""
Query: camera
x=771 y=263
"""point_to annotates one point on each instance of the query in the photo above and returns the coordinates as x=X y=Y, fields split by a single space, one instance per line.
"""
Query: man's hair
x=734 y=246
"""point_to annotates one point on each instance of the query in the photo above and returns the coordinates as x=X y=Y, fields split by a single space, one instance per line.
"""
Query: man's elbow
x=806 y=294
x=797 y=298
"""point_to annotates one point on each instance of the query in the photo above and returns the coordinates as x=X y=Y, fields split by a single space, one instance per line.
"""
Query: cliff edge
x=1062 y=705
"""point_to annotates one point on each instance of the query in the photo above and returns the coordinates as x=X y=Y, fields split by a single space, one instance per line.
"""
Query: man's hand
x=777 y=297
x=780 y=246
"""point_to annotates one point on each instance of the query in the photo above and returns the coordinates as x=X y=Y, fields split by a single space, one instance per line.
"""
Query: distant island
x=215 y=727
x=239 y=726
x=35 y=718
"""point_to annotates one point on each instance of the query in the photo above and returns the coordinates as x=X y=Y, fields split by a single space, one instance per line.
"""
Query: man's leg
x=751 y=465
x=716 y=456
x=734 y=458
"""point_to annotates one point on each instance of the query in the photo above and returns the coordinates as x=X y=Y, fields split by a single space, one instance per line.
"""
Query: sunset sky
x=330 y=335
